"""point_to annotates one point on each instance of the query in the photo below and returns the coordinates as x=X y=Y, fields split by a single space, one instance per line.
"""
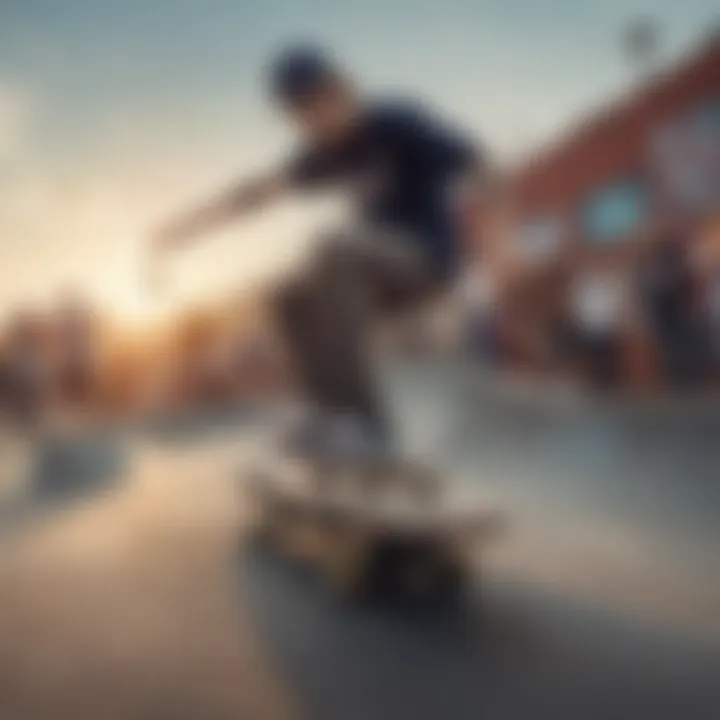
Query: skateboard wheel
x=263 y=536
x=419 y=578
x=345 y=571
x=450 y=586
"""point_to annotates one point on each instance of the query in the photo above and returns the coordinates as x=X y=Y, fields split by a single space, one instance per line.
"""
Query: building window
x=685 y=155
x=615 y=213
x=541 y=237
x=706 y=120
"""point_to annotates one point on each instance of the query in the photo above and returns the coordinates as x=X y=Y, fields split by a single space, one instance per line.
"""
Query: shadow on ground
x=63 y=471
x=519 y=653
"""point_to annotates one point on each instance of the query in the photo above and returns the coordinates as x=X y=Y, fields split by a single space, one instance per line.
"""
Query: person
x=479 y=299
x=712 y=301
x=597 y=301
x=667 y=290
x=410 y=175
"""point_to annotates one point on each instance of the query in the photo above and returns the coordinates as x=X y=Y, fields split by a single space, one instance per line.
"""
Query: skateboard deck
x=369 y=528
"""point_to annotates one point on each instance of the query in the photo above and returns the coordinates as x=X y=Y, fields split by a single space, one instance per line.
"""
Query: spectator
x=596 y=307
x=711 y=309
x=668 y=298
x=478 y=293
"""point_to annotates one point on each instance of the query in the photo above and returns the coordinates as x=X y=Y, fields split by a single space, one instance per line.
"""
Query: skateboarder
x=409 y=174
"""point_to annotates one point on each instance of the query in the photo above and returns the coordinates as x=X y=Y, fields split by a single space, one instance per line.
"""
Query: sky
x=112 y=114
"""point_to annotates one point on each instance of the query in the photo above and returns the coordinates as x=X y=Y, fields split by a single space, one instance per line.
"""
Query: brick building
x=592 y=198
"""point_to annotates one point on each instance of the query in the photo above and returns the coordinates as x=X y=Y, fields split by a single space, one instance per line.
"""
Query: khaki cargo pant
x=328 y=310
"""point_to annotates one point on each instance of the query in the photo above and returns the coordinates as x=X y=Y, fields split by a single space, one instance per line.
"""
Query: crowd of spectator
x=655 y=321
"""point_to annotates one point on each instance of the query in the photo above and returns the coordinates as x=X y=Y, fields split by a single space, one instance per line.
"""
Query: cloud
x=15 y=117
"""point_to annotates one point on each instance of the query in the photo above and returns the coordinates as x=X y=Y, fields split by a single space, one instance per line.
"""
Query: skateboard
x=371 y=529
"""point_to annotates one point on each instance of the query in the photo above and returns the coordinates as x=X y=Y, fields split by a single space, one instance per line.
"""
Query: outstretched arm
x=235 y=202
